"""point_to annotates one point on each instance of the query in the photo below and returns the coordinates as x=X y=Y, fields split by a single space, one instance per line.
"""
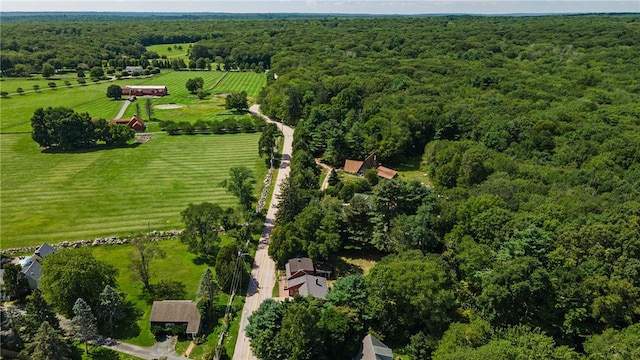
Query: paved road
x=263 y=270
x=123 y=109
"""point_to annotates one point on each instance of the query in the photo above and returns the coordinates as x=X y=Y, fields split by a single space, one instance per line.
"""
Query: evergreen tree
x=37 y=311
x=111 y=308
x=49 y=344
x=84 y=323
x=207 y=291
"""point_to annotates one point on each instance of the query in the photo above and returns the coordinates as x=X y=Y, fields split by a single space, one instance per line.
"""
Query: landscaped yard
x=54 y=197
x=179 y=265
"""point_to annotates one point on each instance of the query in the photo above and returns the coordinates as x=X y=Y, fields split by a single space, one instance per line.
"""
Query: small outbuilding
x=169 y=313
x=133 y=69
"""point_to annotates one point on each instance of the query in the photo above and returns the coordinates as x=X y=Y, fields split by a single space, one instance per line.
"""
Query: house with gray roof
x=308 y=285
x=169 y=313
x=373 y=349
x=31 y=266
x=32 y=270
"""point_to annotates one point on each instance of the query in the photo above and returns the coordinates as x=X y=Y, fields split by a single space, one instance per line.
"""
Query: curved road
x=263 y=272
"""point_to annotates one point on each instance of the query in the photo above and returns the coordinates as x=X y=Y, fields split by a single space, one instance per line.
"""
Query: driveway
x=162 y=348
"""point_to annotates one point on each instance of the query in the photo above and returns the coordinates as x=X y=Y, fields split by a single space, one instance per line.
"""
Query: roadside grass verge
x=54 y=197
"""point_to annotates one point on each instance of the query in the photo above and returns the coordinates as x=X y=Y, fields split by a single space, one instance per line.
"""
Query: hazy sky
x=316 y=6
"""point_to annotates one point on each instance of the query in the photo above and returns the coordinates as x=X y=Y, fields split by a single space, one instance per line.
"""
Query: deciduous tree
x=144 y=252
x=70 y=274
x=114 y=92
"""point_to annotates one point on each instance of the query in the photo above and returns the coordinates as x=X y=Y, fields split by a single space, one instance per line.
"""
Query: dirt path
x=325 y=182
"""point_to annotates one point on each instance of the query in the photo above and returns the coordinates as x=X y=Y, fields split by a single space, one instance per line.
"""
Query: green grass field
x=69 y=196
x=16 y=111
x=163 y=49
x=236 y=82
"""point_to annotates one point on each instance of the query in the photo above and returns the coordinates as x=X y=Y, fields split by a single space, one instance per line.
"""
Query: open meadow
x=54 y=197
x=175 y=53
x=236 y=82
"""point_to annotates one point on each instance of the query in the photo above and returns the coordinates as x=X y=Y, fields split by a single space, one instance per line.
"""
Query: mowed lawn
x=163 y=49
x=17 y=110
x=236 y=82
x=54 y=197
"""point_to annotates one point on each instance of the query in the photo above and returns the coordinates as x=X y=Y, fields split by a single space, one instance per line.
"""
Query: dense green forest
x=525 y=242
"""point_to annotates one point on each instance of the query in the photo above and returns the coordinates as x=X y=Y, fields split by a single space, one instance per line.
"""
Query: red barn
x=136 y=123
x=144 y=90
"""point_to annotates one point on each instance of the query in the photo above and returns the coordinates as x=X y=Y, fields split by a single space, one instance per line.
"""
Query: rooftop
x=176 y=311
x=315 y=286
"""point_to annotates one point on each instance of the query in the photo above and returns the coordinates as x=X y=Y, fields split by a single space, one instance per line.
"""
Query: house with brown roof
x=169 y=313
x=373 y=349
x=135 y=122
x=357 y=167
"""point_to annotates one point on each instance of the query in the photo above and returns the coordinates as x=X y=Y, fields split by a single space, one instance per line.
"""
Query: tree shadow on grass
x=204 y=260
x=102 y=353
x=409 y=164
x=343 y=268
x=99 y=147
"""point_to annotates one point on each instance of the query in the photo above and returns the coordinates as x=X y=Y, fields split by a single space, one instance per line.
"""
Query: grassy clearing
x=179 y=265
x=16 y=111
x=349 y=262
x=174 y=53
x=114 y=192
x=236 y=82
x=10 y=85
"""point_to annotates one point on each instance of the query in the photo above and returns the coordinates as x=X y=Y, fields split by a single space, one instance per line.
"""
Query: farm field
x=17 y=110
x=10 y=85
x=114 y=192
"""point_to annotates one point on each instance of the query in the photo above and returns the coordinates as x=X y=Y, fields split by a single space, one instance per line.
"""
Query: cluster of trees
x=226 y=126
x=206 y=222
x=528 y=227
x=79 y=287
x=66 y=129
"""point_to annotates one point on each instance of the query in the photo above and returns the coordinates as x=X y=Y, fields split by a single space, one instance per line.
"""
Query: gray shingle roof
x=44 y=250
x=373 y=349
x=298 y=265
x=176 y=311
x=315 y=286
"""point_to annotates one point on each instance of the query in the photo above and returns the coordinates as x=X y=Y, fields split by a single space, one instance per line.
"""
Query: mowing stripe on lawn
x=115 y=192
